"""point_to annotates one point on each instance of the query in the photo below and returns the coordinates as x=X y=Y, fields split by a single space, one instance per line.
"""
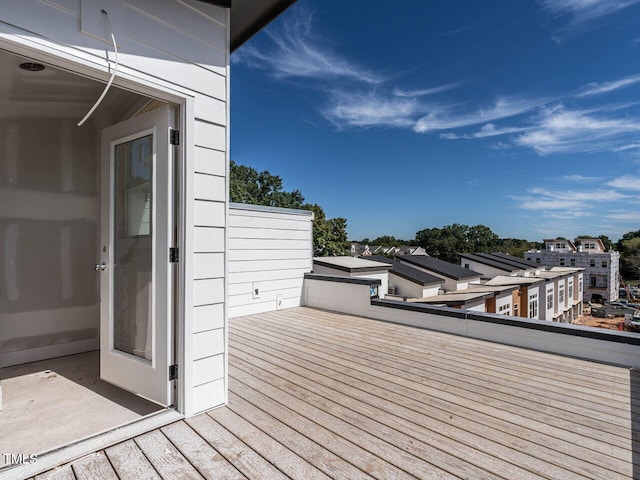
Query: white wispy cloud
x=582 y=13
x=372 y=108
x=626 y=182
x=426 y=91
x=297 y=51
x=597 y=88
x=624 y=216
x=488 y=130
x=446 y=118
x=581 y=178
x=561 y=130
x=629 y=146
x=565 y=202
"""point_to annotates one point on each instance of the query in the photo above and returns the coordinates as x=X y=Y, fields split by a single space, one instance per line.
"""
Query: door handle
x=100 y=266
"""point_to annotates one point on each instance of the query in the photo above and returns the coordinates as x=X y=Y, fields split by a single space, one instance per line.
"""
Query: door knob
x=100 y=266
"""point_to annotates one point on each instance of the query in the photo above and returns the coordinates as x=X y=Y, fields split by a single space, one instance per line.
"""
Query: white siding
x=180 y=49
x=502 y=300
x=271 y=250
x=407 y=288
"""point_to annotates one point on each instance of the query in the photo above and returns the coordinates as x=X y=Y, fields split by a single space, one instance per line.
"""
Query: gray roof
x=408 y=272
x=516 y=260
x=455 y=299
x=351 y=264
x=517 y=280
x=490 y=261
x=440 y=267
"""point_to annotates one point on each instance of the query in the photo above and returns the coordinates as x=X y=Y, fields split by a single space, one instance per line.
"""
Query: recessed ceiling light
x=32 y=67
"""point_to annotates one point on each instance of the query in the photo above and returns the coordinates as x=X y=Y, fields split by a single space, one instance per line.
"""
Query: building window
x=605 y=279
x=604 y=264
x=533 y=305
x=466 y=265
x=573 y=262
x=592 y=263
x=537 y=260
x=580 y=285
x=570 y=291
x=592 y=280
x=505 y=309
x=561 y=295
x=562 y=262
x=529 y=259
x=515 y=309
x=550 y=300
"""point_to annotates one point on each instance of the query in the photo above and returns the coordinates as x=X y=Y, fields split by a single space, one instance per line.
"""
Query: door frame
x=82 y=63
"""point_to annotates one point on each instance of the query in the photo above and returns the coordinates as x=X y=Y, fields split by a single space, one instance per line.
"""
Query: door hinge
x=173 y=372
x=173 y=254
x=174 y=137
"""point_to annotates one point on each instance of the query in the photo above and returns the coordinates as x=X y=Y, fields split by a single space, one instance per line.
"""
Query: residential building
x=358 y=250
x=407 y=282
x=140 y=193
x=601 y=267
x=455 y=277
x=345 y=266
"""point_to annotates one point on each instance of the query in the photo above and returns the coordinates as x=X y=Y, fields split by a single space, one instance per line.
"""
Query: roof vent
x=32 y=67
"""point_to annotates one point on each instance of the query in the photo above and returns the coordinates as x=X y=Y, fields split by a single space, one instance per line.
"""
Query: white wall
x=534 y=290
x=549 y=289
x=502 y=300
x=409 y=289
x=483 y=268
x=180 y=50
x=269 y=249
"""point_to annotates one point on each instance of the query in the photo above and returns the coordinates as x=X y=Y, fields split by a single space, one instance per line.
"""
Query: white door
x=136 y=276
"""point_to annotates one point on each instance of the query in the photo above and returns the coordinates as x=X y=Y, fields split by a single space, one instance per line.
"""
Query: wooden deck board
x=129 y=462
x=94 y=467
x=315 y=394
x=246 y=460
x=293 y=414
x=485 y=354
x=536 y=362
x=64 y=472
x=165 y=457
x=315 y=453
x=199 y=453
x=438 y=433
x=494 y=405
x=287 y=461
x=572 y=407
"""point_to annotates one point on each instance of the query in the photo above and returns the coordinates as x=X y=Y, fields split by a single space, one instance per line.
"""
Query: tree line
x=247 y=185
x=446 y=243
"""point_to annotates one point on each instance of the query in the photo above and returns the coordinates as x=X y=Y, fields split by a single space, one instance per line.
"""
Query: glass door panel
x=133 y=247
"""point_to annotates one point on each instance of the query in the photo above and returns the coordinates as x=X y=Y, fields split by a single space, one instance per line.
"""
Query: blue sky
x=523 y=116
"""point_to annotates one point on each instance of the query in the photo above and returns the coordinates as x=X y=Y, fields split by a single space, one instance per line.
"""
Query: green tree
x=388 y=240
x=629 y=247
x=516 y=247
x=329 y=235
x=449 y=241
x=247 y=185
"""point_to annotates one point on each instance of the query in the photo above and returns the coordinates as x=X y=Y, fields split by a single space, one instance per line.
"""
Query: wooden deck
x=315 y=394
